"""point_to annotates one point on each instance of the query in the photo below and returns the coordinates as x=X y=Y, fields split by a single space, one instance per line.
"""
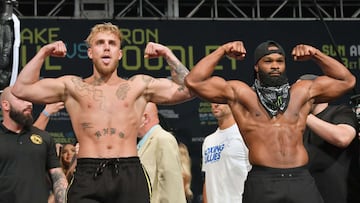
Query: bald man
x=159 y=153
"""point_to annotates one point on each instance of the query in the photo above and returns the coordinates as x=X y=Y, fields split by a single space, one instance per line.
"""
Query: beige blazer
x=160 y=157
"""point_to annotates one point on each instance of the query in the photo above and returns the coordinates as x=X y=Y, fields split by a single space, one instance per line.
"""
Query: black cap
x=263 y=50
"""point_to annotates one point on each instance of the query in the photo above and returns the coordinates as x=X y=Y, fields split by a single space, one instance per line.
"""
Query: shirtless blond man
x=271 y=115
x=105 y=112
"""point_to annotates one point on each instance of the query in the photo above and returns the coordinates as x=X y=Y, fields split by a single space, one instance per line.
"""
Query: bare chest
x=105 y=98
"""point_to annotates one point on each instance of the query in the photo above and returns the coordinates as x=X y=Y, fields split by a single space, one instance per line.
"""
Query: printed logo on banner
x=205 y=114
x=349 y=54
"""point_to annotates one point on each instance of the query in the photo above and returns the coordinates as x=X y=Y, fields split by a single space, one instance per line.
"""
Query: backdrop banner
x=190 y=40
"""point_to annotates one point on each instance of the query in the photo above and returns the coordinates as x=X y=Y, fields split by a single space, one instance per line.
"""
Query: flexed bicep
x=51 y=89
x=324 y=89
x=166 y=91
x=214 y=89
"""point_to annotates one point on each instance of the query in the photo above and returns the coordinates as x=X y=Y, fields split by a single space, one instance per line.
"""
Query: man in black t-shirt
x=26 y=155
x=331 y=141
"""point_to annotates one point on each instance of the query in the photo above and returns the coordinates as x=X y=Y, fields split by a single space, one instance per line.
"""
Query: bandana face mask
x=274 y=99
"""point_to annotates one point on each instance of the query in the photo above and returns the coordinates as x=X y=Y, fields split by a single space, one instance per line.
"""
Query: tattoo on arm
x=181 y=88
x=59 y=184
x=178 y=71
x=146 y=79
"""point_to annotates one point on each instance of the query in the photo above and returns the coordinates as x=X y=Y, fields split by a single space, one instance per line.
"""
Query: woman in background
x=186 y=171
x=68 y=160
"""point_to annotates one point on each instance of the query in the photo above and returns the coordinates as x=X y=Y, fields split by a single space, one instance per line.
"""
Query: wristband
x=45 y=113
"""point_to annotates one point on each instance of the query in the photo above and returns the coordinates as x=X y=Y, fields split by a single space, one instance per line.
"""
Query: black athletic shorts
x=274 y=185
x=109 y=181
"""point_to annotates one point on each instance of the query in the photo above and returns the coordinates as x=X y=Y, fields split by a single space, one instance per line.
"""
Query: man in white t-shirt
x=225 y=159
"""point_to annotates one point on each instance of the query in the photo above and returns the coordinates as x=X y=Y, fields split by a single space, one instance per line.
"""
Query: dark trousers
x=273 y=185
x=109 y=181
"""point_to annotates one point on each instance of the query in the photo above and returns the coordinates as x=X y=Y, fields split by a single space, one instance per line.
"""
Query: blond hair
x=104 y=27
x=68 y=169
x=186 y=170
